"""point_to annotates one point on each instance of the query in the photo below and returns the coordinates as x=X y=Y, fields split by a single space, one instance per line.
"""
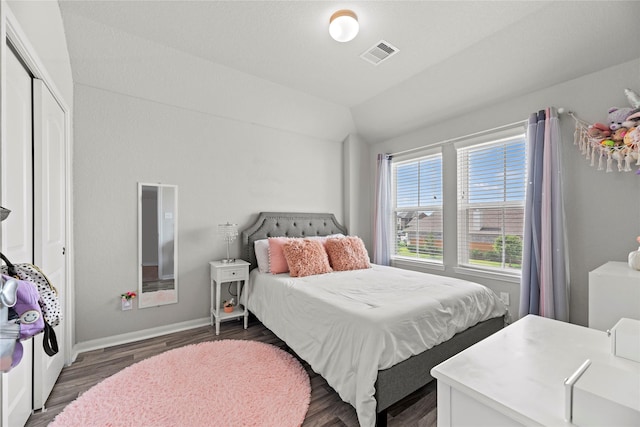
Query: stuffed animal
x=633 y=119
x=618 y=136
x=632 y=145
x=617 y=116
x=599 y=131
x=634 y=98
x=608 y=143
x=632 y=137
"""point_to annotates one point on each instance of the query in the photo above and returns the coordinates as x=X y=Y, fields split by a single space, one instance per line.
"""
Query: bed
x=397 y=342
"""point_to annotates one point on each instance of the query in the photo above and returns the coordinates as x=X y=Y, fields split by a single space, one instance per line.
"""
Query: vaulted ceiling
x=454 y=56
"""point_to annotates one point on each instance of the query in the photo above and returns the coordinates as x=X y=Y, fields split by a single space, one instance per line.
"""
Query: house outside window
x=417 y=185
x=491 y=197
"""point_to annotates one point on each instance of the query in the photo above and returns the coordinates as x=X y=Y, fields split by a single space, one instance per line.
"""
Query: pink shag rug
x=219 y=383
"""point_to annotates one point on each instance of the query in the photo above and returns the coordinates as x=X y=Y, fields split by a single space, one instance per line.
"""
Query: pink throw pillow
x=277 y=262
x=347 y=253
x=306 y=258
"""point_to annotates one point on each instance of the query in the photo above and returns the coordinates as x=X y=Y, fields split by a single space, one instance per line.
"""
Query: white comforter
x=348 y=325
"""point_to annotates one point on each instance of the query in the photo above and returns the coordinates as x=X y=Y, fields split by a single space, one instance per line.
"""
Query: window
x=491 y=195
x=417 y=185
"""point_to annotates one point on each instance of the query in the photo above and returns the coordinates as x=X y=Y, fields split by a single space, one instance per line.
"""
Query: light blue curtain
x=382 y=213
x=545 y=273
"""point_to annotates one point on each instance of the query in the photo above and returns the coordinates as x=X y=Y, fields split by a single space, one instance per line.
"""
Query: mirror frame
x=162 y=297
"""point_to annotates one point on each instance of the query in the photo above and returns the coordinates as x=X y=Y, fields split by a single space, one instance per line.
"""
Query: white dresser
x=614 y=293
x=516 y=376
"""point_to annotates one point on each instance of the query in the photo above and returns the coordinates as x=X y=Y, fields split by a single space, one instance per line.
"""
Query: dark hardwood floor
x=326 y=408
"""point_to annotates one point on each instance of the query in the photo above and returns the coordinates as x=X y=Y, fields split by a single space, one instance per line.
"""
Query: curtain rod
x=471 y=135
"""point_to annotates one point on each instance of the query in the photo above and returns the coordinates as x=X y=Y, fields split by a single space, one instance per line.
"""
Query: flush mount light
x=343 y=25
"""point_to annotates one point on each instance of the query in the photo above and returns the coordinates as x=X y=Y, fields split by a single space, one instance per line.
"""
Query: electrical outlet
x=504 y=296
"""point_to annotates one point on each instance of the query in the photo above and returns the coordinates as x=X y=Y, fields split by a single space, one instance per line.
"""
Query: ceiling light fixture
x=343 y=25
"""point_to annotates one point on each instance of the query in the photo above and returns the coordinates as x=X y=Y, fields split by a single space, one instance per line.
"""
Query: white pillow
x=261 y=248
x=324 y=238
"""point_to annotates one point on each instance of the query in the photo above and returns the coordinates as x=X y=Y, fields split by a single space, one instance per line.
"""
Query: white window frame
x=517 y=132
x=403 y=160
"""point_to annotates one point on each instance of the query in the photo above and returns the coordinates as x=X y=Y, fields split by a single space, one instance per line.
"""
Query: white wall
x=225 y=171
x=357 y=178
x=602 y=210
x=235 y=146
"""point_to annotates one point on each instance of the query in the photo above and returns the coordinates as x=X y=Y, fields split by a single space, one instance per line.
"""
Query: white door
x=17 y=229
x=49 y=225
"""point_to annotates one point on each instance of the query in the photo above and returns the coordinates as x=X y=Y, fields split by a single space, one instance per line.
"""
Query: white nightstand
x=224 y=273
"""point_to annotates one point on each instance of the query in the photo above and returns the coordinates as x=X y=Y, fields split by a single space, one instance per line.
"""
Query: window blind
x=491 y=196
x=418 y=201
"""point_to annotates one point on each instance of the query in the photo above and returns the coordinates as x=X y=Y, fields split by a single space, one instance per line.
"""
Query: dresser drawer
x=230 y=274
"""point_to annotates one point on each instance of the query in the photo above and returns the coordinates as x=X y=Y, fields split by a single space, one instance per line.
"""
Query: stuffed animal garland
x=619 y=138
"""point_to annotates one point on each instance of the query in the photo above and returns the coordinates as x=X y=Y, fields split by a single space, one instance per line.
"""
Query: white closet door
x=17 y=229
x=17 y=185
x=49 y=225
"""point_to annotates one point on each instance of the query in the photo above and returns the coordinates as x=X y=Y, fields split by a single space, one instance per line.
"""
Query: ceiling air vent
x=381 y=51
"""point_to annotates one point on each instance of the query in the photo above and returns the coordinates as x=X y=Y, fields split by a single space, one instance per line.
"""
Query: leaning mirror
x=157 y=244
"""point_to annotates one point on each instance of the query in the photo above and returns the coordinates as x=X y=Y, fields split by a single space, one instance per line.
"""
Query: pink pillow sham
x=347 y=253
x=277 y=262
x=306 y=257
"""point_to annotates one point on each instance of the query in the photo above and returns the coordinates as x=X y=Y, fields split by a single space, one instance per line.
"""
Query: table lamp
x=229 y=232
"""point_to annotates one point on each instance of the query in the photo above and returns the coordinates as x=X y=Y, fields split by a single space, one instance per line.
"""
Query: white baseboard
x=129 y=337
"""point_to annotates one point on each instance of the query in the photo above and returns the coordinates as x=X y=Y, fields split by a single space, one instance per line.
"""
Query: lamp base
x=228 y=260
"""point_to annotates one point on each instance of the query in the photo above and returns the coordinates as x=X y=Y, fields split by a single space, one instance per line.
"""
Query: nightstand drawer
x=233 y=274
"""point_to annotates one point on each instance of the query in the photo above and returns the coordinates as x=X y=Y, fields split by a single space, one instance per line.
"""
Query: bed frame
x=397 y=382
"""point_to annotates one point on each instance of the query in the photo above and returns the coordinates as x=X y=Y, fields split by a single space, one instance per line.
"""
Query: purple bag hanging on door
x=24 y=320
x=49 y=303
x=10 y=347
x=27 y=309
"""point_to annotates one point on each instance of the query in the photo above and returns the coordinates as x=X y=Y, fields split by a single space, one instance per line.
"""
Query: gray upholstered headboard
x=287 y=224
